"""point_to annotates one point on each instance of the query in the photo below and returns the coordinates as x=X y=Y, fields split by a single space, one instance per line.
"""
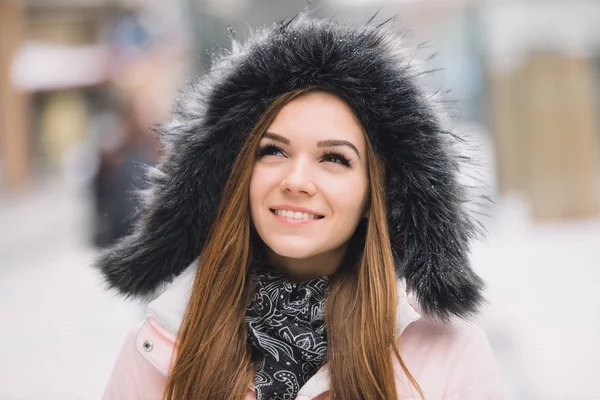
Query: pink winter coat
x=449 y=361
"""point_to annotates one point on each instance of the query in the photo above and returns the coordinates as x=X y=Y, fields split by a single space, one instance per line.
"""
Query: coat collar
x=168 y=310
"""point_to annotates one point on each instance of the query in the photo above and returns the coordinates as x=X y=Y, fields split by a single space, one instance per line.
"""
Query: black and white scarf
x=286 y=332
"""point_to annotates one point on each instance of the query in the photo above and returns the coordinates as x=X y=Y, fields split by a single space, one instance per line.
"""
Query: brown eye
x=269 y=150
x=337 y=158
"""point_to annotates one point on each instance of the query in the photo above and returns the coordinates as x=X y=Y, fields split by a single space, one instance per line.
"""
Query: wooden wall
x=14 y=136
x=546 y=127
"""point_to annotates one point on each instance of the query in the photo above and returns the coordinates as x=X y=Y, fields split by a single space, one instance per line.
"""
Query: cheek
x=348 y=196
x=259 y=185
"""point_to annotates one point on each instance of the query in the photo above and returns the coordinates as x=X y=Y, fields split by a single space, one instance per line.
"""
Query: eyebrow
x=321 y=143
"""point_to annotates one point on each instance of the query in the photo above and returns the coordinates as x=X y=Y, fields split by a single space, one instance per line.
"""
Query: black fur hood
x=372 y=70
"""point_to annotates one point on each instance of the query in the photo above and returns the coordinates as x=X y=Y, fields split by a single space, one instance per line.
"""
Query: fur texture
x=371 y=69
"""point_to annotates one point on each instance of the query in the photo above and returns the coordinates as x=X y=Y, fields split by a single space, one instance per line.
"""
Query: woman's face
x=309 y=185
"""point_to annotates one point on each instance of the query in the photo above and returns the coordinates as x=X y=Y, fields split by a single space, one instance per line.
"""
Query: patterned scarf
x=286 y=332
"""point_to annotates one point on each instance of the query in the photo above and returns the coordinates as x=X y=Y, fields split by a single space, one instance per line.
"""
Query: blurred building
x=49 y=60
x=542 y=64
x=60 y=62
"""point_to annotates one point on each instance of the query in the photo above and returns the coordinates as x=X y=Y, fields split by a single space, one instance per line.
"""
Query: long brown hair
x=212 y=357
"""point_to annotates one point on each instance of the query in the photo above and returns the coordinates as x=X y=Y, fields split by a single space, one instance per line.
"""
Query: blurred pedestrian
x=127 y=147
x=309 y=212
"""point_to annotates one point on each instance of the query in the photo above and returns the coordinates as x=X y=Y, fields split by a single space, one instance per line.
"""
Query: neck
x=302 y=269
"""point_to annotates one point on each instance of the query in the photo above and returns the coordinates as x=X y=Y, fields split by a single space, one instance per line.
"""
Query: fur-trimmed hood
x=370 y=68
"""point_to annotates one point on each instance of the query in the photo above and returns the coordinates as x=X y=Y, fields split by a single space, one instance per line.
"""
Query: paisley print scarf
x=286 y=332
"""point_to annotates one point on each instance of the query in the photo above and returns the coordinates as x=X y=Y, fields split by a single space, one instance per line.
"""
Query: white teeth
x=294 y=215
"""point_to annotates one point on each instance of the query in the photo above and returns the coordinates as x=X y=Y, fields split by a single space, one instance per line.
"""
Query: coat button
x=148 y=345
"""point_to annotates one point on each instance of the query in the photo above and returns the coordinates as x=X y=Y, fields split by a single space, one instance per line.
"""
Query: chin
x=292 y=250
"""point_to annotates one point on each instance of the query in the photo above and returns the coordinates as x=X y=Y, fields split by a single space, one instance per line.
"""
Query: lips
x=296 y=213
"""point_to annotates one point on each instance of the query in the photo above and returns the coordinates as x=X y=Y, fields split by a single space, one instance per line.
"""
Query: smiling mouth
x=295 y=215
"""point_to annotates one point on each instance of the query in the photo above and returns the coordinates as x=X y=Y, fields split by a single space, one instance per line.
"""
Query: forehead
x=318 y=116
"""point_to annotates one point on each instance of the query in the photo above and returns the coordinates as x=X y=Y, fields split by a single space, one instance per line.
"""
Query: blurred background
x=82 y=83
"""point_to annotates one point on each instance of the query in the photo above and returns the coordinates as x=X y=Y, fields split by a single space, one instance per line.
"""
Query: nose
x=299 y=179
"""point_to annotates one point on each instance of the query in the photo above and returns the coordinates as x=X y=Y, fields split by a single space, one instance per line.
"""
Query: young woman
x=310 y=222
